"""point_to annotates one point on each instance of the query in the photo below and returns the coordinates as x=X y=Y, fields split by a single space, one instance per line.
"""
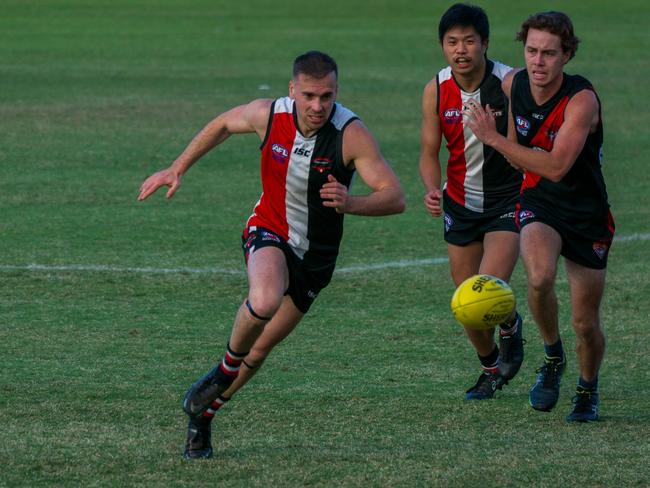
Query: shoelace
x=550 y=373
x=582 y=401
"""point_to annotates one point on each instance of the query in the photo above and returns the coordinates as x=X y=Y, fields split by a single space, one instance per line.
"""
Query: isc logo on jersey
x=279 y=153
x=522 y=125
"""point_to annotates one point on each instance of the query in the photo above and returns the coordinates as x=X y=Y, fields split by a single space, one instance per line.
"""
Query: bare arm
x=252 y=117
x=580 y=118
x=387 y=196
x=430 y=141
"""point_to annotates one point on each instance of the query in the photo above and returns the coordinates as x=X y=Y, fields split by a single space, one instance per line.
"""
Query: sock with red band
x=231 y=362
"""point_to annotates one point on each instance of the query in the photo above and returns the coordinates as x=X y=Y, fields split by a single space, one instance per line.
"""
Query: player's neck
x=542 y=94
x=470 y=82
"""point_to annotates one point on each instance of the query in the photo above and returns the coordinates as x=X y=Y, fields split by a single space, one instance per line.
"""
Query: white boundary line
x=359 y=268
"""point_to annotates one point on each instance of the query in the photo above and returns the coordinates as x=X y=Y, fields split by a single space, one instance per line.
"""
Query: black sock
x=588 y=385
x=554 y=350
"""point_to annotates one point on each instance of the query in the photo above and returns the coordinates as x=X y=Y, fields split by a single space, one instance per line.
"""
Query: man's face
x=315 y=99
x=544 y=57
x=464 y=50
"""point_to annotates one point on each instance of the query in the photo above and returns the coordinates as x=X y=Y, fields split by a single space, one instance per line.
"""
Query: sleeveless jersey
x=478 y=177
x=293 y=170
x=581 y=194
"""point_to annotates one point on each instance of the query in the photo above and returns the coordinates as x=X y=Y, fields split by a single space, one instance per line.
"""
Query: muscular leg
x=500 y=253
x=268 y=279
x=465 y=261
x=587 y=287
x=277 y=329
x=540 y=250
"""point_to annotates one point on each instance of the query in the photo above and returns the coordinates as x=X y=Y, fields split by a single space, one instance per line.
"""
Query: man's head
x=313 y=87
x=549 y=43
x=465 y=15
x=556 y=23
x=464 y=33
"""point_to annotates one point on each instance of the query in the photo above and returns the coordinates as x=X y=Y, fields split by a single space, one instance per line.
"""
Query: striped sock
x=509 y=328
x=231 y=362
x=215 y=406
x=490 y=362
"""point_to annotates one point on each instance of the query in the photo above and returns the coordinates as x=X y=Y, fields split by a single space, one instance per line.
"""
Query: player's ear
x=292 y=88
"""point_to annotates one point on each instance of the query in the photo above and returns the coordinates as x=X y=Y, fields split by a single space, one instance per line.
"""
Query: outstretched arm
x=387 y=196
x=252 y=117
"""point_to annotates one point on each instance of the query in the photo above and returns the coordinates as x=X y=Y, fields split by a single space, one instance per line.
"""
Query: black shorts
x=307 y=275
x=584 y=243
x=463 y=226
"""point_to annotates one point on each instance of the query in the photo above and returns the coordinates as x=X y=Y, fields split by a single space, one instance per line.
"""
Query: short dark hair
x=315 y=64
x=465 y=15
x=557 y=23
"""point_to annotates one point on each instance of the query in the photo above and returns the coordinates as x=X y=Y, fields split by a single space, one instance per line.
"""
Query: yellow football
x=482 y=302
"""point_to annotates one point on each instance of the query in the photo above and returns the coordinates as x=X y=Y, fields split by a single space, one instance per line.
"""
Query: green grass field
x=98 y=344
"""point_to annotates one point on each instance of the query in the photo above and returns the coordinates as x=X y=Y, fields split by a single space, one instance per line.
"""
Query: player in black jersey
x=555 y=136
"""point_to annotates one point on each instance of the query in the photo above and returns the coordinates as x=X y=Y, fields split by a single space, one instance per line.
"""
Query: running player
x=311 y=146
x=481 y=190
x=556 y=120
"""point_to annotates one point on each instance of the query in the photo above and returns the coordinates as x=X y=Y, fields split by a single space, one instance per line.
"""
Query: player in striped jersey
x=481 y=189
x=311 y=146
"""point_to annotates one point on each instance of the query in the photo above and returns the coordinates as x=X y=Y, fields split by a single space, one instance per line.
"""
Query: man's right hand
x=432 y=202
x=166 y=177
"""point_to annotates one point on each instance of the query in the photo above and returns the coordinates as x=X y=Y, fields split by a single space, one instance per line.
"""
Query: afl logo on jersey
x=279 y=153
x=522 y=125
x=453 y=116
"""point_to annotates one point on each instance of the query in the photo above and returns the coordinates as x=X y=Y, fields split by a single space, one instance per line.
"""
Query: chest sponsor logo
x=321 y=164
x=538 y=116
x=280 y=153
x=453 y=116
x=523 y=126
x=600 y=248
x=525 y=215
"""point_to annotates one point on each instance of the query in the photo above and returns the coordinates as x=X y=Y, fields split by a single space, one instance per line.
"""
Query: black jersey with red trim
x=478 y=177
x=293 y=170
x=581 y=194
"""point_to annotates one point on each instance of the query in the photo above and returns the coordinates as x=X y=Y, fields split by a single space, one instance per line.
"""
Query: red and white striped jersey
x=478 y=177
x=293 y=170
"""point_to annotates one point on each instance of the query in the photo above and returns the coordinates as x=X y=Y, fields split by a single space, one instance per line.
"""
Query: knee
x=541 y=281
x=587 y=328
x=263 y=305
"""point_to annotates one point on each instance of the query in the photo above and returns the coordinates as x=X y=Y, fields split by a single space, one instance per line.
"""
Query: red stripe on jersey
x=270 y=211
x=545 y=138
x=450 y=110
